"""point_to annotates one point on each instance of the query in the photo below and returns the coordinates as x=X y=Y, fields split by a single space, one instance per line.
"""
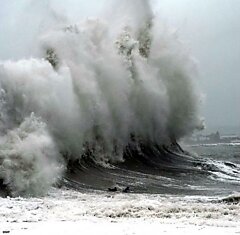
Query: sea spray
x=30 y=162
x=93 y=86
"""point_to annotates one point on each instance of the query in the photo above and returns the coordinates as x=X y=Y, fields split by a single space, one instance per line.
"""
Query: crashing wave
x=95 y=89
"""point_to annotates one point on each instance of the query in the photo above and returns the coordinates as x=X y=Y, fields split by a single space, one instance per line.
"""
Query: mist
x=88 y=86
x=210 y=29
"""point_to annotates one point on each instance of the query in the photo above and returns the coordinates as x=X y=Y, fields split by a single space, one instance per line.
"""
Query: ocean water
x=92 y=106
x=207 y=170
x=177 y=202
x=226 y=157
x=95 y=102
x=228 y=152
x=102 y=103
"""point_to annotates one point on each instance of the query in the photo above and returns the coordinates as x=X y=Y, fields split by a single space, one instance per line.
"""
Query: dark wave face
x=150 y=168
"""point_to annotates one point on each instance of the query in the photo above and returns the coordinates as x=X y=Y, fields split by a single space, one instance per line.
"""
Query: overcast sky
x=210 y=28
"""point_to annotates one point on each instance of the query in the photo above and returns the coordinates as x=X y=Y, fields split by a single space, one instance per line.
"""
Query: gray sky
x=210 y=28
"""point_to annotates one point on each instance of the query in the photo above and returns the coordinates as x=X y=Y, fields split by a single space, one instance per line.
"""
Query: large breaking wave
x=100 y=91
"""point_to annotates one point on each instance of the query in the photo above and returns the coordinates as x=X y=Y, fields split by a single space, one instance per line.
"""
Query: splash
x=29 y=158
x=92 y=87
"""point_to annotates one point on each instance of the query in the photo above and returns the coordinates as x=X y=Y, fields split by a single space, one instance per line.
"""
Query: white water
x=65 y=211
x=120 y=75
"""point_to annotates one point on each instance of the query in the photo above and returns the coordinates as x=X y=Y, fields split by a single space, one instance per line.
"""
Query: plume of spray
x=90 y=87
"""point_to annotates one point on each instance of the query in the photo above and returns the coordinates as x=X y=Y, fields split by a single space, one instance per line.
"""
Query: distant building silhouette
x=213 y=138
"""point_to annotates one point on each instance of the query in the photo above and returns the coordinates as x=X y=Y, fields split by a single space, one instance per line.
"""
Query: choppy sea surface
x=200 y=209
x=206 y=170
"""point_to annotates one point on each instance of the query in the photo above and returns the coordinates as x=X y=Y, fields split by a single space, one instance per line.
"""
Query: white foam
x=99 y=210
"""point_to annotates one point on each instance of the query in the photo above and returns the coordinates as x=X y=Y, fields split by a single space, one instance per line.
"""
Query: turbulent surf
x=102 y=102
